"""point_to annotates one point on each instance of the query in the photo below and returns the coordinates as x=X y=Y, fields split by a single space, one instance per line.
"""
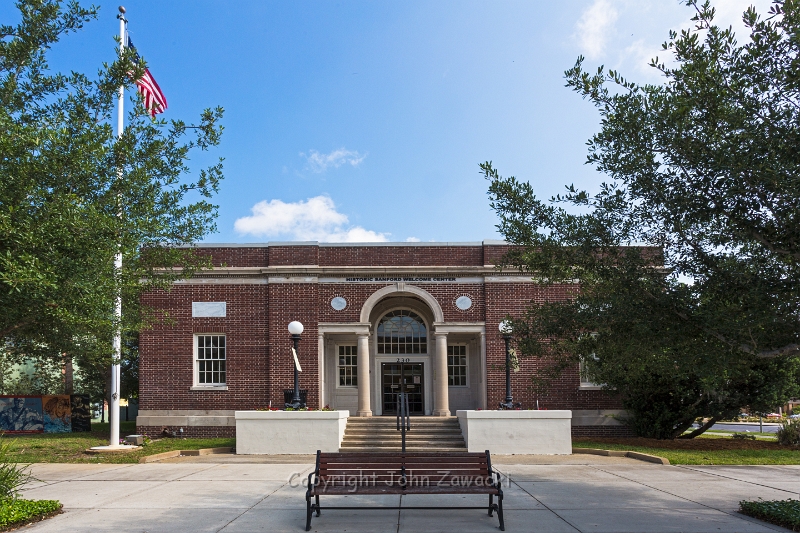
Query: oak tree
x=688 y=257
x=73 y=194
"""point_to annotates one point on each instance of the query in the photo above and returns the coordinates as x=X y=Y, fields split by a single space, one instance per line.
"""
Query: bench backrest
x=399 y=470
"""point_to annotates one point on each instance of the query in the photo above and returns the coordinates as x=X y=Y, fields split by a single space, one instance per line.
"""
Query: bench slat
x=345 y=491
x=417 y=466
x=396 y=471
x=376 y=457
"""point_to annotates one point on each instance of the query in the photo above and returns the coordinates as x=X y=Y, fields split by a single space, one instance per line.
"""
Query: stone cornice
x=351 y=271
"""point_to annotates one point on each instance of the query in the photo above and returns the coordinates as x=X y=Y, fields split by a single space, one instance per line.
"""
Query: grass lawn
x=70 y=447
x=710 y=450
x=711 y=433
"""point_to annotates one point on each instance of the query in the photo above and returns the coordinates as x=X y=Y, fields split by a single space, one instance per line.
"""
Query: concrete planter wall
x=517 y=432
x=289 y=432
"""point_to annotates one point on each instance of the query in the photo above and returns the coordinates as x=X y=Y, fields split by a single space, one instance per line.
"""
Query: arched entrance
x=403 y=335
x=401 y=338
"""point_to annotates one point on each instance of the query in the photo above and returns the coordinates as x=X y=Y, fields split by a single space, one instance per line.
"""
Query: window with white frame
x=457 y=365
x=586 y=379
x=348 y=366
x=210 y=367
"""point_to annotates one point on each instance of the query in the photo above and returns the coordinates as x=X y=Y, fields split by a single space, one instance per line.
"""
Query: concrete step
x=399 y=449
x=396 y=442
x=412 y=433
x=379 y=419
x=371 y=427
x=419 y=430
x=420 y=440
x=364 y=434
x=393 y=419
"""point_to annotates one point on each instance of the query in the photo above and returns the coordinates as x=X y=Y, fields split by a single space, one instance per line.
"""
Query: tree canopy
x=72 y=194
x=688 y=257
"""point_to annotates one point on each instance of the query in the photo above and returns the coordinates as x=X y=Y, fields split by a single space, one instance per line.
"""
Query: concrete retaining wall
x=517 y=432
x=289 y=432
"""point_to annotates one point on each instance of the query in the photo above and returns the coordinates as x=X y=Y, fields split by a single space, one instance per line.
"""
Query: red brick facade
x=266 y=287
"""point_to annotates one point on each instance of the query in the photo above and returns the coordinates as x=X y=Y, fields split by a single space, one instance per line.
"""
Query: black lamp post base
x=510 y=405
x=296 y=405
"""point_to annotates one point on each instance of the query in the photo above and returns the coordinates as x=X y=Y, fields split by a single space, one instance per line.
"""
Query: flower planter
x=289 y=432
x=517 y=432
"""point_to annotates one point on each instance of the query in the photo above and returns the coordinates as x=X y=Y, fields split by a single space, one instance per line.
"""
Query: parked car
x=773 y=415
x=795 y=416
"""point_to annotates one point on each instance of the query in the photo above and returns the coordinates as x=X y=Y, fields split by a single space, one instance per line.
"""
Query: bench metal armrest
x=315 y=475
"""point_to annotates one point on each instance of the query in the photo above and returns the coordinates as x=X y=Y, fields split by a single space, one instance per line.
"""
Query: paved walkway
x=582 y=494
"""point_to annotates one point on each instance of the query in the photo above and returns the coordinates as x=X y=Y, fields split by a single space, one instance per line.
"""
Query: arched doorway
x=402 y=333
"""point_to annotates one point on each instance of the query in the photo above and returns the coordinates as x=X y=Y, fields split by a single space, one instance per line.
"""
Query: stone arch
x=400 y=289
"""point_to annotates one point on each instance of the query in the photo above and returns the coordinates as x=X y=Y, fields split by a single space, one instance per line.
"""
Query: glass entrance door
x=402 y=377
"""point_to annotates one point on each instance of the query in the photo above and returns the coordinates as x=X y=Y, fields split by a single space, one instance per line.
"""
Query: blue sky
x=366 y=121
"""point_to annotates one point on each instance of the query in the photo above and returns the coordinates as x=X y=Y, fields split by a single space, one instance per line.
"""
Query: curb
x=177 y=453
x=621 y=453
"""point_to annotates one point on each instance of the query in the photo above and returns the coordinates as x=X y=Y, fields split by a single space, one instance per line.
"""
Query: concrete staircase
x=380 y=434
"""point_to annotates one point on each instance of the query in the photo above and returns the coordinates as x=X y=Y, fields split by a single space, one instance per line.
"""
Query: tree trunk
x=681 y=428
x=702 y=429
x=68 y=375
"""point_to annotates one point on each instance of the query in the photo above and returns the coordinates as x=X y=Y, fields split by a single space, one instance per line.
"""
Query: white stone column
x=441 y=396
x=482 y=396
x=363 y=376
x=321 y=369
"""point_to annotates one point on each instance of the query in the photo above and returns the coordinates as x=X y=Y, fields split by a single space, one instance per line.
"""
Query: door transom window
x=402 y=332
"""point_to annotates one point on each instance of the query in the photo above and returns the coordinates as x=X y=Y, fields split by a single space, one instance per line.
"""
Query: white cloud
x=412 y=239
x=319 y=163
x=594 y=26
x=627 y=34
x=315 y=219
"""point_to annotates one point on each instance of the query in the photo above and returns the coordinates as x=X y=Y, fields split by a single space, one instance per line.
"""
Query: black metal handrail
x=403 y=417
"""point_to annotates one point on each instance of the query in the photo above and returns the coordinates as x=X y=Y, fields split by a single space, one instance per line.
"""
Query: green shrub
x=784 y=513
x=789 y=433
x=743 y=436
x=21 y=511
x=13 y=476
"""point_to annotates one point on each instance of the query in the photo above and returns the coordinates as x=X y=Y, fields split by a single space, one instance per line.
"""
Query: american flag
x=154 y=100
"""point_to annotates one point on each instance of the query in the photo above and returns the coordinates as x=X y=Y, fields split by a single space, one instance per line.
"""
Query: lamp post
x=295 y=329
x=505 y=329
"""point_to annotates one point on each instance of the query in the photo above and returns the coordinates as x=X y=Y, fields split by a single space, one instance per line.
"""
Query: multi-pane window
x=210 y=359
x=402 y=332
x=348 y=366
x=457 y=365
x=586 y=378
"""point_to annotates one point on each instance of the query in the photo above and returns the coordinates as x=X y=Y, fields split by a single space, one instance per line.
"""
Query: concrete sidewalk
x=590 y=493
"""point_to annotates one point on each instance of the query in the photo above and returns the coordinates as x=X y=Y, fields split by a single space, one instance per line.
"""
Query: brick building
x=375 y=316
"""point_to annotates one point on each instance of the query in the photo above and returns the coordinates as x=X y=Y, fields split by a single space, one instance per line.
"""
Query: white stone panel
x=209 y=309
x=289 y=432
x=517 y=432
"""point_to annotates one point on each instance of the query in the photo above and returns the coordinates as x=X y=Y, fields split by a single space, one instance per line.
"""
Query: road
x=742 y=427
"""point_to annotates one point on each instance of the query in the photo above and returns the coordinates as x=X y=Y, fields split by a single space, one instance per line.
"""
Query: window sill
x=590 y=387
x=212 y=387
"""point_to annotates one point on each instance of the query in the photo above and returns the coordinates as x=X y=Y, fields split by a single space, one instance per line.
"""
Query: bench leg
x=491 y=504
x=317 y=500
x=308 y=512
x=500 y=511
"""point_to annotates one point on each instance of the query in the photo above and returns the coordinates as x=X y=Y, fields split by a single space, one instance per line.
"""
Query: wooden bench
x=343 y=474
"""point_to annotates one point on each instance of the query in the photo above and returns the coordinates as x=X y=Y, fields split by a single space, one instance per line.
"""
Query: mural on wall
x=57 y=413
x=81 y=412
x=21 y=414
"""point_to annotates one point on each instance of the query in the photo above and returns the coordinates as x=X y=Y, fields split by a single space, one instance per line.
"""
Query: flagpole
x=113 y=411
x=113 y=408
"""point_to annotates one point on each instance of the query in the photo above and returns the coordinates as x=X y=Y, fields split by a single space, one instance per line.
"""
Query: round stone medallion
x=463 y=302
x=338 y=303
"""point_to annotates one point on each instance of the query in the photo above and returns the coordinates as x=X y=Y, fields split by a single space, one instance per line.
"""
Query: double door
x=403 y=377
